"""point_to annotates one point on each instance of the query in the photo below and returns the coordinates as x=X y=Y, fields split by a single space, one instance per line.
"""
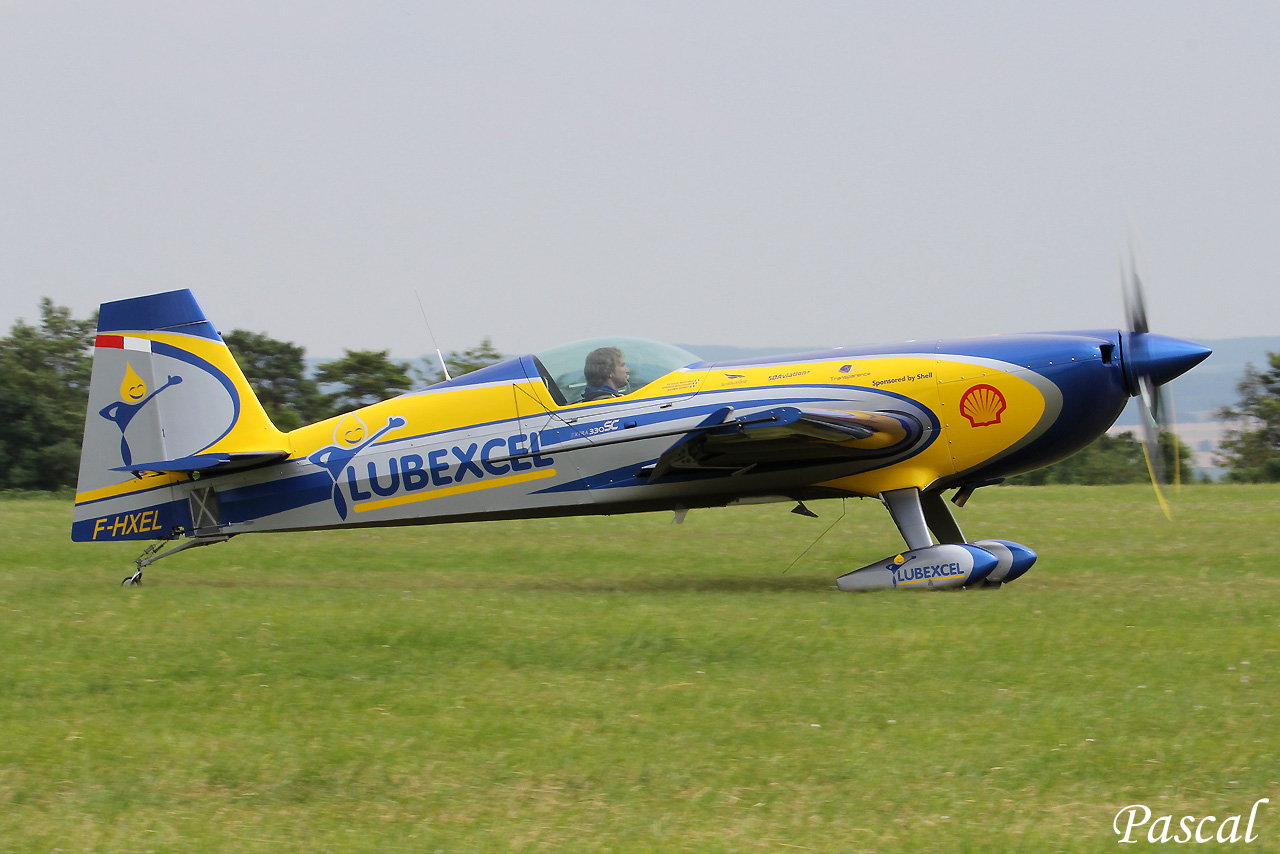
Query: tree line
x=44 y=391
x=277 y=372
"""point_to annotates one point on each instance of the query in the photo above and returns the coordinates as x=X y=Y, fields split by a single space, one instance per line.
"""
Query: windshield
x=642 y=361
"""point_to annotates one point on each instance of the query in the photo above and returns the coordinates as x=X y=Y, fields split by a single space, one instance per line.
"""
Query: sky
x=735 y=173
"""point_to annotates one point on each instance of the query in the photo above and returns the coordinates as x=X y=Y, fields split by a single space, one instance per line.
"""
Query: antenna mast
x=439 y=355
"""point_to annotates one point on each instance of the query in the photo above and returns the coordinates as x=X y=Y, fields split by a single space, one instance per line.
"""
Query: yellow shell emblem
x=983 y=405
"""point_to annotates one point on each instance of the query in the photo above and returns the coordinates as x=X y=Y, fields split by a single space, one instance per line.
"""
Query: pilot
x=607 y=373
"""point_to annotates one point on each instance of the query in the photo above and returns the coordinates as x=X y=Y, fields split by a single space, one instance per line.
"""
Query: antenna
x=820 y=536
x=439 y=355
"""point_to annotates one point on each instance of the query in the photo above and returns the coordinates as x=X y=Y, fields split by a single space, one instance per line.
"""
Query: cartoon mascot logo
x=983 y=405
x=133 y=396
x=350 y=437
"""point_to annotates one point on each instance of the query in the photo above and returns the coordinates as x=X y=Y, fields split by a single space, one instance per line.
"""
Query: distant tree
x=44 y=391
x=277 y=372
x=1251 y=451
x=362 y=377
x=1111 y=459
x=462 y=362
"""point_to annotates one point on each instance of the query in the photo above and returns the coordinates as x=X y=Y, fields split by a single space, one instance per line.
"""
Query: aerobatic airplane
x=178 y=449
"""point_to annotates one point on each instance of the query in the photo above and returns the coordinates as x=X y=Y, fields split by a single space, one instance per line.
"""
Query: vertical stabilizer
x=166 y=399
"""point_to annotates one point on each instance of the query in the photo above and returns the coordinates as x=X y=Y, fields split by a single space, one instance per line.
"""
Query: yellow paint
x=133 y=484
x=132 y=388
x=971 y=436
x=253 y=431
x=461 y=489
x=350 y=431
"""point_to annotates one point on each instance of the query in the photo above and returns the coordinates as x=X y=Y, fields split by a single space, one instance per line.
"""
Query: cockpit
x=565 y=368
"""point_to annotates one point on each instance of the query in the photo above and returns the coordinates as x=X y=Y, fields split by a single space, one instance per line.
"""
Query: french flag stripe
x=123 y=342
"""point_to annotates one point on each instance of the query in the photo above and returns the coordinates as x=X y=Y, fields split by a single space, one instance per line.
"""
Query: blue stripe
x=160 y=349
x=1026 y=350
x=620 y=477
x=509 y=370
x=246 y=503
x=168 y=515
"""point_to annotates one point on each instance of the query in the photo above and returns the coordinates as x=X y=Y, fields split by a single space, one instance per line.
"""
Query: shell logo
x=983 y=405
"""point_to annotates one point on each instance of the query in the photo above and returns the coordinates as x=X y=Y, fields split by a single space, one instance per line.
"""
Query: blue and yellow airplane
x=178 y=449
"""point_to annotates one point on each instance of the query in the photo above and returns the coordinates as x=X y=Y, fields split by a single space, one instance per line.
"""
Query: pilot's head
x=606 y=367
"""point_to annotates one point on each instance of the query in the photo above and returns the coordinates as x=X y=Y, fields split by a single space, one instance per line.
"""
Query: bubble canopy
x=648 y=361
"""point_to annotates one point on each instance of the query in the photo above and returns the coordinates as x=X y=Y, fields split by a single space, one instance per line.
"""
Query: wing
x=786 y=435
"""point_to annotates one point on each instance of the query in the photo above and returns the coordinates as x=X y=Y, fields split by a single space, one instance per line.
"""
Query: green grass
x=627 y=685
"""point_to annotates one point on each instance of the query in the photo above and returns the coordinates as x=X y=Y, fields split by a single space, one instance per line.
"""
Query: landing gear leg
x=941 y=521
x=904 y=506
x=149 y=556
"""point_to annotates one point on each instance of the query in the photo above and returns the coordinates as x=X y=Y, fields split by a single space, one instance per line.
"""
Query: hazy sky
x=758 y=174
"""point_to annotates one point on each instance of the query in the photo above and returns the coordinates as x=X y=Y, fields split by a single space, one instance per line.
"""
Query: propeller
x=1150 y=361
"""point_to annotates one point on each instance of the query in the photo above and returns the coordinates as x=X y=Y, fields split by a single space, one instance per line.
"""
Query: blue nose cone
x=1159 y=358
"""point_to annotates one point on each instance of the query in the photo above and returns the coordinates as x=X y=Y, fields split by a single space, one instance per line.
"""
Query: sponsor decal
x=350 y=437
x=681 y=386
x=395 y=480
x=907 y=378
x=916 y=574
x=789 y=376
x=983 y=405
x=1189 y=828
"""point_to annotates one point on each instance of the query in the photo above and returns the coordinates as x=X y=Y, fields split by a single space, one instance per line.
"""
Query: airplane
x=178 y=449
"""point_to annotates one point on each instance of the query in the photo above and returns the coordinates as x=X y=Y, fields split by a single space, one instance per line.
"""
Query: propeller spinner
x=1150 y=361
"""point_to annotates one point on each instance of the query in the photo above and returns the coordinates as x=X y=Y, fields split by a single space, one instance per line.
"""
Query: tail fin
x=166 y=399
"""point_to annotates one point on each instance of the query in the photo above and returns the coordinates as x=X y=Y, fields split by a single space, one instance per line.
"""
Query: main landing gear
x=952 y=563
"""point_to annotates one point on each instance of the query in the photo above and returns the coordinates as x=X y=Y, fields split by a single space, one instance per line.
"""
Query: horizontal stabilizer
x=206 y=462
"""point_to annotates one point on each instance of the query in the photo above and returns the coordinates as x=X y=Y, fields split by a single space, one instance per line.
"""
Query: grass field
x=627 y=685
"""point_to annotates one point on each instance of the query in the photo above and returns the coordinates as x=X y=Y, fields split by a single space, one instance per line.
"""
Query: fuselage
x=504 y=443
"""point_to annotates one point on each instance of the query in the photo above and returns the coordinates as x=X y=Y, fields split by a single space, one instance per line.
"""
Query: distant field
x=627 y=685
